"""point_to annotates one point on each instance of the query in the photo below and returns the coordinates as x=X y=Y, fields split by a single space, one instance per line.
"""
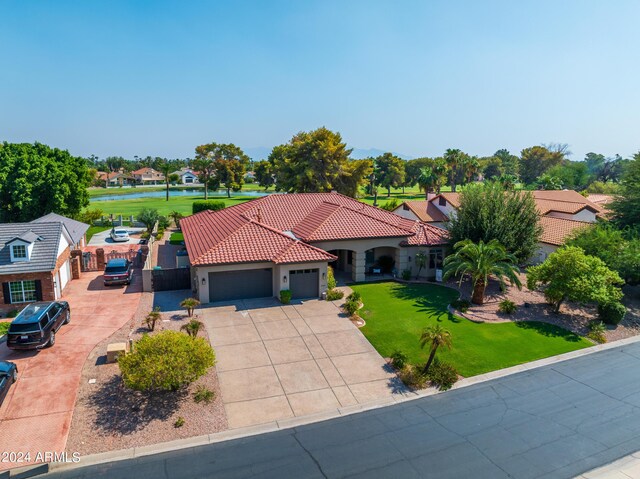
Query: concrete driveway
x=276 y=362
x=104 y=239
x=36 y=415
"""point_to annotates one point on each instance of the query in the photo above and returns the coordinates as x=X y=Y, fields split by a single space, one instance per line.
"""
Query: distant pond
x=173 y=193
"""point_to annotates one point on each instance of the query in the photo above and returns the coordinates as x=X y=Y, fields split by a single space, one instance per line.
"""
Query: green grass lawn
x=176 y=238
x=4 y=327
x=397 y=313
x=95 y=229
x=181 y=204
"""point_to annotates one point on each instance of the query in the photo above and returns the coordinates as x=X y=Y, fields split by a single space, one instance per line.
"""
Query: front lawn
x=397 y=313
x=176 y=238
x=95 y=229
x=4 y=327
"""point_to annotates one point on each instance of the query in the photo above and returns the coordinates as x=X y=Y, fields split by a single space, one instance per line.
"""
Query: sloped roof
x=427 y=235
x=425 y=211
x=27 y=236
x=277 y=228
x=45 y=248
x=555 y=231
x=600 y=200
x=76 y=229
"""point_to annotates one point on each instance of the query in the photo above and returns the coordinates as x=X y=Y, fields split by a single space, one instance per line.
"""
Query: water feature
x=174 y=193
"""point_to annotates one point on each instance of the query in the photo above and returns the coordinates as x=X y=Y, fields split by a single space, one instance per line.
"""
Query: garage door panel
x=243 y=284
x=304 y=283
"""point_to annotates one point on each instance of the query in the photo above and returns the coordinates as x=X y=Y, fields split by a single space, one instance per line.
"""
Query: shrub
x=596 y=331
x=192 y=328
x=145 y=235
x=331 y=279
x=612 y=313
x=391 y=205
x=152 y=318
x=190 y=304
x=179 y=422
x=461 y=305
x=413 y=377
x=166 y=361
x=285 y=296
x=386 y=263
x=148 y=217
x=90 y=216
x=163 y=222
x=355 y=296
x=203 y=394
x=507 y=307
x=351 y=307
x=406 y=274
x=334 y=295
x=443 y=375
x=202 y=205
x=398 y=359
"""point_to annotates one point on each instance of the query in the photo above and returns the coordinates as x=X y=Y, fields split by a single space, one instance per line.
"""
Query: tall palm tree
x=427 y=180
x=434 y=336
x=452 y=158
x=480 y=261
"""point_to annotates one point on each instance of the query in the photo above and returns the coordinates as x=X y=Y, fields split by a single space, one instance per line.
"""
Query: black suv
x=37 y=324
x=118 y=271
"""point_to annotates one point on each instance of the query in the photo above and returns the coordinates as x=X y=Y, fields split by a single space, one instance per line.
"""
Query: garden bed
x=108 y=416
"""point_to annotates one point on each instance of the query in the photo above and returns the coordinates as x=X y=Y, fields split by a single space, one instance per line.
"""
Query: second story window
x=19 y=251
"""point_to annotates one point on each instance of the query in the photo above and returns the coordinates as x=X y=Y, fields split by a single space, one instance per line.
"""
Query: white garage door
x=64 y=274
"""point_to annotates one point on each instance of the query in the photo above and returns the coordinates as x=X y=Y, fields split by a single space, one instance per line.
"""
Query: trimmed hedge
x=202 y=205
x=611 y=313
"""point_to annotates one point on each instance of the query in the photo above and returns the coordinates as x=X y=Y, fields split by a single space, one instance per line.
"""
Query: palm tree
x=152 y=318
x=435 y=336
x=176 y=216
x=481 y=261
x=190 y=304
x=427 y=181
x=192 y=328
x=452 y=158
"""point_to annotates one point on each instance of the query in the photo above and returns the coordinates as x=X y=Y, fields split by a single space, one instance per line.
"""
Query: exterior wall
x=447 y=209
x=46 y=281
x=279 y=273
x=411 y=252
x=584 y=215
x=400 y=211
x=544 y=250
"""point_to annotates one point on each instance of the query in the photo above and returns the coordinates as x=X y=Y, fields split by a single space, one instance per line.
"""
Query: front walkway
x=36 y=414
x=276 y=362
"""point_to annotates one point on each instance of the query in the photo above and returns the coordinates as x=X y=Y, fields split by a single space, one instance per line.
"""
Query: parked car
x=36 y=325
x=8 y=376
x=118 y=271
x=119 y=235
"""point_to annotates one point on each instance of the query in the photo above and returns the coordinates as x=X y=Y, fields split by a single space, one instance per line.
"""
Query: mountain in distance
x=258 y=153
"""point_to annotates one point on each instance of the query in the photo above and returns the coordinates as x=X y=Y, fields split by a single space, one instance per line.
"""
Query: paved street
x=36 y=414
x=554 y=422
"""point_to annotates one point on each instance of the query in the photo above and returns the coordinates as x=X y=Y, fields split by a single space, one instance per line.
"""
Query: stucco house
x=34 y=258
x=187 y=176
x=147 y=176
x=258 y=248
x=562 y=212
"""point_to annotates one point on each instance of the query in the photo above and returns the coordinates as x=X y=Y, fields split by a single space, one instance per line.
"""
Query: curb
x=239 y=433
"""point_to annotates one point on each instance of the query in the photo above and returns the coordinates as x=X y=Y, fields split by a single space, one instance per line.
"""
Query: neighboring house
x=119 y=178
x=34 y=258
x=148 y=176
x=187 y=176
x=250 y=175
x=601 y=200
x=258 y=248
x=561 y=211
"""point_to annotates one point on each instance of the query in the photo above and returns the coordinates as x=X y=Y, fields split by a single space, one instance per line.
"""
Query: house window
x=19 y=251
x=22 y=291
x=442 y=201
x=435 y=259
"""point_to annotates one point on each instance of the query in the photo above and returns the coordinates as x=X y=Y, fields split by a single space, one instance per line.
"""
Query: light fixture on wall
x=204 y=281
x=284 y=278
x=324 y=275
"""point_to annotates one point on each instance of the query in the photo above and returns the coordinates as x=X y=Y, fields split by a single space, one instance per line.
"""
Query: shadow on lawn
x=549 y=330
x=122 y=411
x=430 y=299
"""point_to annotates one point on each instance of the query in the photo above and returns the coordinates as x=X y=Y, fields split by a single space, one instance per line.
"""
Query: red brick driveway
x=36 y=414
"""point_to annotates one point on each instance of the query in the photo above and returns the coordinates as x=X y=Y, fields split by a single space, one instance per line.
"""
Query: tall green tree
x=166 y=167
x=510 y=163
x=264 y=174
x=412 y=169
x=428 y=180
x=570 y=274
x=204 y=164
x=487 y=211
x=453 y=158
x=318 y=161
x=389 y=171
x=573 y=175
x=626 y=207
x=36 y=179
x=537 y=160
x=479 y=261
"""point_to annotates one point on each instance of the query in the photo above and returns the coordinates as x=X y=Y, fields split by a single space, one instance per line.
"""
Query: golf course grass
x=396 y=314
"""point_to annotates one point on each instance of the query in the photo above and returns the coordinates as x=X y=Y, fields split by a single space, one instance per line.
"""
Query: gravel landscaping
x=108 y=416
x=573 y=317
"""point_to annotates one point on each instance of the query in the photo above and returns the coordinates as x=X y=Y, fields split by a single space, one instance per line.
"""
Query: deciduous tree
x=389 y=171
x=535 y=161
x=626 y=207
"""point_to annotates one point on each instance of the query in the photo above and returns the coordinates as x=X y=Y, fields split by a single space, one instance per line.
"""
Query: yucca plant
x=152 y=318
x=190 y=304
x=193 y=327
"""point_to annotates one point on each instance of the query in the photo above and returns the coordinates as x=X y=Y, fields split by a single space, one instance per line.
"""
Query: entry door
x=304 y=283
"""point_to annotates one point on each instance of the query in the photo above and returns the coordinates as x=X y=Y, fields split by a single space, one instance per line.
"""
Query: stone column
x=75 y=267
x=358 y=266
x=100 y=259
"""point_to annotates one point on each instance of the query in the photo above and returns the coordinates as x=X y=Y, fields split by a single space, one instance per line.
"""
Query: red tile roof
x=556 y=231
x=427 y=235
x=426 y=211
x=271 y=229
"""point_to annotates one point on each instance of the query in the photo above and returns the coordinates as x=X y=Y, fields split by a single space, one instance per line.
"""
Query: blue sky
x=160 y=77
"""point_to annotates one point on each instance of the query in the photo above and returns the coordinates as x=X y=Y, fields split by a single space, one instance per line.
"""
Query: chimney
x=430 y=196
